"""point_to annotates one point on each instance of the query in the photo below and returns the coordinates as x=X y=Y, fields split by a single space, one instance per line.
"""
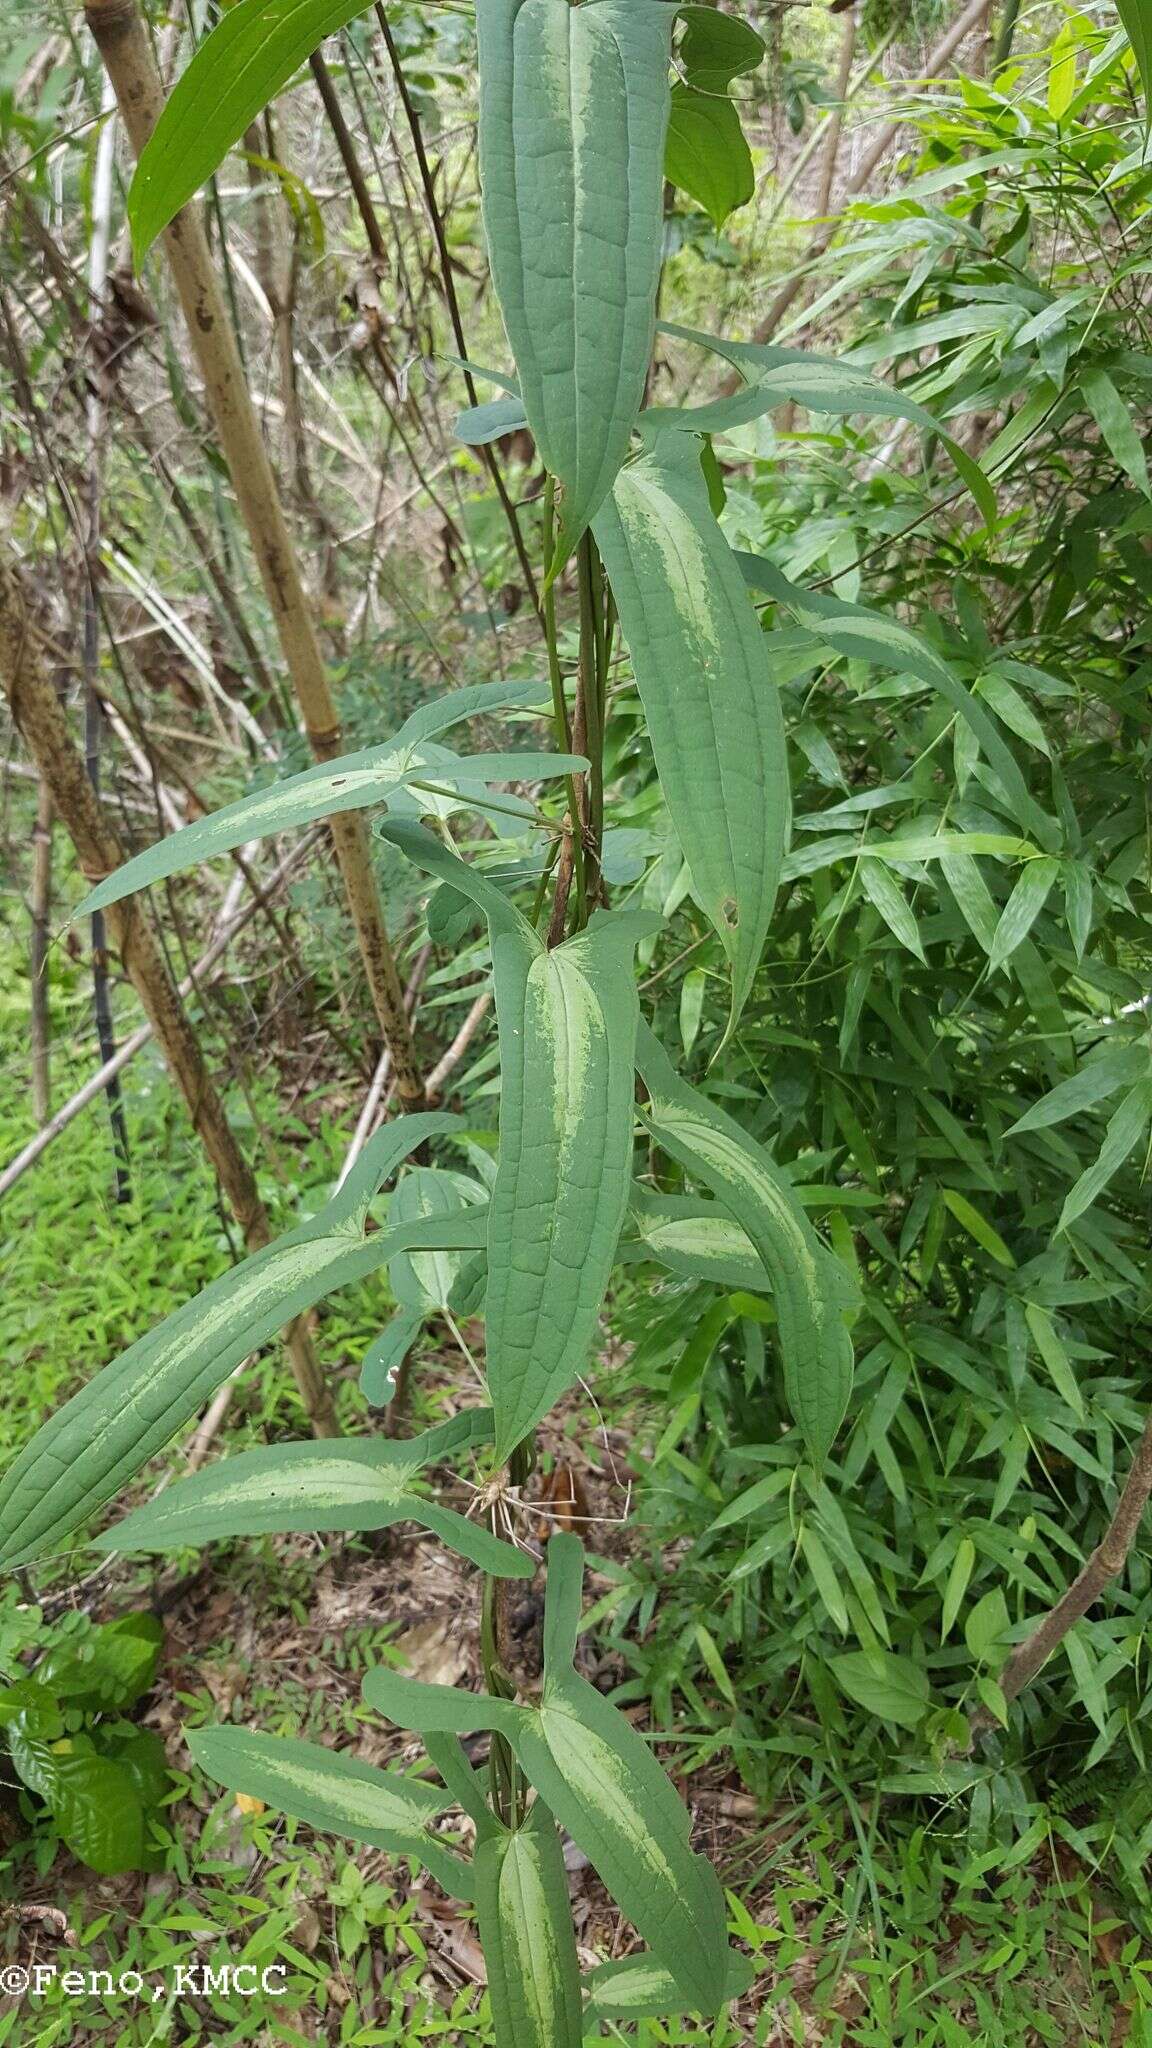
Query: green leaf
x=885 y=896
x=131 y=1409
x=811 y=1288
x=977 y=1226
x=598 y=1776
x=963 y=1565
x=567 y=1022
x=641 y=1988
x=1047 y=1341
x=866 y=635
x=252 y=52
x=1127 y=1126
x=1116 y=425
x=1098 y=1078
x=319 y=1486
x=351 y=783
x=893 y=1688
x=386 y=1354
x=706 y=153
x=525 y=1925
x=712 y=709
x=479 y=425
x=1029 y=895
x=425 y=1281
x=1062 y=72
x=775 y=376
x=98 y=1812
x=1137 y=19
x=573 y=113
x=700 y=1241
x=334 y=1793
x=601 y=1780
x=986 y=1625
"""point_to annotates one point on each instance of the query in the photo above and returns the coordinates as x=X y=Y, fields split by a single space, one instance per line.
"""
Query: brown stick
x=41 y=908
x=40 y=718
x=945 y=48
x=124 y=46
x=836 y=126
x=1106 y=1563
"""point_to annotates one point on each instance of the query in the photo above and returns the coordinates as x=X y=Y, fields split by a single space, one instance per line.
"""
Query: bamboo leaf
x=567 y=1022
x=334 y=1793
x=1137 y=19
x=863 y=634
x=251 y=53
x=1060 y=1369
x=1097 y=1079
x=128 y=1412
x=351 y=783
x=1127 y=1125
x=775 y=376
x=319 y=1486
x=810 y=1286
x=573 y=113
x=525 y=1926
x=1116 y=425
x=1029 y=895
x=978 y=1227
x=885 y=896
x=703 y=671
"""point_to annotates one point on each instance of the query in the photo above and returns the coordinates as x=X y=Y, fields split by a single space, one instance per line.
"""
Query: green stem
x=590 y=699
x=572 y=859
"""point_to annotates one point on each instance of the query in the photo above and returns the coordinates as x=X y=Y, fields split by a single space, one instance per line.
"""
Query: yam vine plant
x=575 y=110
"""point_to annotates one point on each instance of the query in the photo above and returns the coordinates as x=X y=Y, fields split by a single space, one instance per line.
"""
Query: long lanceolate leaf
x=337 y=1794
x=711 y=706
x=525 y=1924
x=598 y=1776
x=128 y=1412
x=351 y=783
x=776 y=376
x=319 y=1486
x=810 y=1286
x=253 y=51
x=567 y=1021
x=573 y=113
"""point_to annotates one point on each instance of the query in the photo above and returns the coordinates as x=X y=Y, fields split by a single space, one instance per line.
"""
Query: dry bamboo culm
x=41 y=721
x=122 y=39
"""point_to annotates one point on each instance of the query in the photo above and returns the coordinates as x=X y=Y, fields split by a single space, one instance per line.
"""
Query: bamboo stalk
x=95 y=422
x=39 y=716
x=123 y=42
